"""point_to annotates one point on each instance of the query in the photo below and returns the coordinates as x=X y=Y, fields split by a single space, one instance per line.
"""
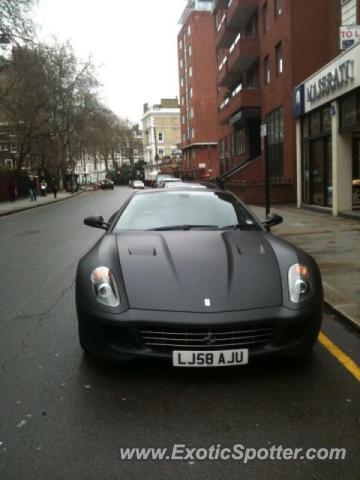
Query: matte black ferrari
x=193 y=276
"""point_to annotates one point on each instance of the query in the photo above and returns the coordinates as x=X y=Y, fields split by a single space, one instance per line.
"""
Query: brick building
x=264 y=49
x=198 y=82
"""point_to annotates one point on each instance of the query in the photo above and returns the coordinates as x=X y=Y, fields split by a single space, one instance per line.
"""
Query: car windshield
x=185 y=210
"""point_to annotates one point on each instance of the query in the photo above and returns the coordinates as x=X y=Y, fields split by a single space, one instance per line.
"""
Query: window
x=181 y=63
x=184 y=137
x=265 y=17
x=239 y=141
x=180 y=44
x=191 y=112
x=275 y=128
x=183 y=119
x=350 y=111
x=13 y=148
x=192 y=132
x=195 y=208
x=4 y=147
x=190 y=51
x=277 y=4
x=161 y=152
x=189 y=30
x=191 y=92
x=279 y=59
x=161 y=136
x=190 y=71
x=267 y=74
x=181 y=81
x=183 y=100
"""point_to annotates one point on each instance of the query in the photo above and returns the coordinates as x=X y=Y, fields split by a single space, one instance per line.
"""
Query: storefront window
x=315 y=123
x=317 y=158
x=305 y=174
x=306 y=130
x=326 y=120
x=349 y=111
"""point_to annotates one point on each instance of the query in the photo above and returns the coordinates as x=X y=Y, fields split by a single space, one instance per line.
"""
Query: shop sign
x=339 y=77
x=331 y=81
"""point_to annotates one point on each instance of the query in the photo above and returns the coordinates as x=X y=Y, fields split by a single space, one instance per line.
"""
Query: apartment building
x=264 y=49
x=198 y=84
x=161 y=134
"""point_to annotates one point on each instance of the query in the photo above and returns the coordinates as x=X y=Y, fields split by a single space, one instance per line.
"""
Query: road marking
x=346 y=361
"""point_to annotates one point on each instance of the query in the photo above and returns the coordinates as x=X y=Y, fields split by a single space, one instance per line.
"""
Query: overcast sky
x=132 y=41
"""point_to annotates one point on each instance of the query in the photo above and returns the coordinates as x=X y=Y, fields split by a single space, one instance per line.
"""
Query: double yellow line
x=346 y=361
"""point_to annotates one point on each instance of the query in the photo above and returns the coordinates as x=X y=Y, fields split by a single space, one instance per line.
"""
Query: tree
x=15 y=21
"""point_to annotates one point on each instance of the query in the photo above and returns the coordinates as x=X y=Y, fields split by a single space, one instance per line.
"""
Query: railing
x=235 y=42
x=221 y=22
x=224 y=60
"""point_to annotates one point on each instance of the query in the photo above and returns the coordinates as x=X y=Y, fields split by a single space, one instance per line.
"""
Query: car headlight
x=105 y=288
x=299 y=282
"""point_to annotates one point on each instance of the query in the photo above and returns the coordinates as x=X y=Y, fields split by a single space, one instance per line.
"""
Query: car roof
x=182 y=190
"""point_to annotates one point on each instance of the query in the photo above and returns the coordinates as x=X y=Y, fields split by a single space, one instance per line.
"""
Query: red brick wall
x=204 y=84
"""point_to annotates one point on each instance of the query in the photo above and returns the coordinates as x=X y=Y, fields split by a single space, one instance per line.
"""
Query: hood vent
x=143 y=251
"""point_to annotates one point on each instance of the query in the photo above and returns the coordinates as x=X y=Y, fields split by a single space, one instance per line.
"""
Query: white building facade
x=327 y=107
x=161 y=134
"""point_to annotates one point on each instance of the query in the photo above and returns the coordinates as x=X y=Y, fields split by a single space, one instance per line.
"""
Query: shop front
x=327 y=108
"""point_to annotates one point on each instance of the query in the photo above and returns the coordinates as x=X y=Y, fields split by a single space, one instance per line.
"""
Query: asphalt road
x=63 y=417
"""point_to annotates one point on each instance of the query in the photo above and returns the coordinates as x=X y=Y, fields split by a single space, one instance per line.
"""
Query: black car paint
x=153 y=280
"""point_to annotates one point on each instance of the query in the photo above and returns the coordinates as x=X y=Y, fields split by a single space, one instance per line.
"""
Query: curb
x=30 y=207
x=345 y=319
x=343 y=306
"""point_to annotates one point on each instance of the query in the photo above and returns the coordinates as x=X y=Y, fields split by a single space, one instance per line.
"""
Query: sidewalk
x=6 y=208
x=334 y=242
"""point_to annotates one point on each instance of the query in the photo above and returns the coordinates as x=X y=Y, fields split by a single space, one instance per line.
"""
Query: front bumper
x=263 y=331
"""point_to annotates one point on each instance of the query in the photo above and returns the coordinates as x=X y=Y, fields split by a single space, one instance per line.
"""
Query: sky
x=133 y=43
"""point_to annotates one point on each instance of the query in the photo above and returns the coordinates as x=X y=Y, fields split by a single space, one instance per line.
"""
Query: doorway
x=321 y=188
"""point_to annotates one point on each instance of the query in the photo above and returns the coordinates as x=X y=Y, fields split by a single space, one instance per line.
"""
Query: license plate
x=214 y=358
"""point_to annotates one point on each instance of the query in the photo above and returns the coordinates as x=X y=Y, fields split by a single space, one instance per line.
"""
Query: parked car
x=192 y=276
x=138 y=184
x=186 y=185
x=106 y=183
x=162 y=177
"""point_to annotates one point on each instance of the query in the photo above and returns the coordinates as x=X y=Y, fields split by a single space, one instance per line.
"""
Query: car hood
x=199 y=271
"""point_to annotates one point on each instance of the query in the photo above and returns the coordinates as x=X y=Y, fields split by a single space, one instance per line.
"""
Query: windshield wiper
x=240 y=226
x=185 y=227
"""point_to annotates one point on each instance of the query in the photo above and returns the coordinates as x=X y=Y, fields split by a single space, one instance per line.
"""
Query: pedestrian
x=32 y=189
x=12 y=191
x=43 y=187
x=54 y=187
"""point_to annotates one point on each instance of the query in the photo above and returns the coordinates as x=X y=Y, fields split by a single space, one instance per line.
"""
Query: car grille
x=168 y=339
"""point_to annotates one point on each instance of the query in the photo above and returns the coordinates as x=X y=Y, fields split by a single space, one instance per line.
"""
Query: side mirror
x=272 y=220
x=97 y=222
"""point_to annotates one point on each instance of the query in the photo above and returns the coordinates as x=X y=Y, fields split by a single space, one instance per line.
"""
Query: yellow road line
x=346 y=361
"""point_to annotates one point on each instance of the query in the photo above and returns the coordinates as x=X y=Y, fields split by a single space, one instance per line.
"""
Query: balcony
x=227 y=79
x=224 y=35
x=240 y=12
x=243 y=53
x=241 y=98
